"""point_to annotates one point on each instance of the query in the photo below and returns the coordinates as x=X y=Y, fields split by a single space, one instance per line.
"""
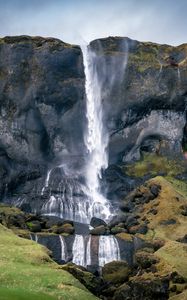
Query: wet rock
x=116 y=272
x=95 y=222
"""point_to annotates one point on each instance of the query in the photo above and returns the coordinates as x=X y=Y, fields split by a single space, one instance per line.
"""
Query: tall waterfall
x=96 y=139
x=108 y=249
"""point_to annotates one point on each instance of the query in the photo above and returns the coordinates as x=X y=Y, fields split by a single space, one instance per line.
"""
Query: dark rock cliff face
x=144 y=95
x=42 y=106
x=41 y=109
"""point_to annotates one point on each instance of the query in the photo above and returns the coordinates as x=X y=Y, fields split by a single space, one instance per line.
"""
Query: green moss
x=9 y=210
x=175 y=255
x=26 y=265
x=154 y=164
x=179 y=185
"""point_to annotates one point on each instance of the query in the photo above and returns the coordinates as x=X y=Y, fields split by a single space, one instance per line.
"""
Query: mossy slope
x=26 y=270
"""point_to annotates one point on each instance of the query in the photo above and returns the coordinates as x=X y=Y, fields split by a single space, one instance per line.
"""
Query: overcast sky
x=162 y=21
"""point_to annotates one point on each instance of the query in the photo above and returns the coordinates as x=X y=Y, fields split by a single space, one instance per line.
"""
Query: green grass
x=25 y=267
x=179 y=185
x=153 y=164
x=19 y=294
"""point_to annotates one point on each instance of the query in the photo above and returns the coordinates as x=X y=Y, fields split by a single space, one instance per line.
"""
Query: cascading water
x=78 y=250
x=34 y=237
x=108 y=250
x=96 y=139
x=63 y=248
x=88 y=252
x=65 y=204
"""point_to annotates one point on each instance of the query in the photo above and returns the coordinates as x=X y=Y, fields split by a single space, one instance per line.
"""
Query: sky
x=79 y=21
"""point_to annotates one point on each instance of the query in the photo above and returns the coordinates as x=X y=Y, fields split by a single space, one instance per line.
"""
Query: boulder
x=116 y=272
x=100 y=230
x=95 y=222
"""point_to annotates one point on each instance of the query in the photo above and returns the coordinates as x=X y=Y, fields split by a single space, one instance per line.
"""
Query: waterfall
x=96 y=139
x=88 y=251
x=63 y=248
x=108 y=249
x=78 y=250
x=46 y=182
x=34 y=237
x=69 y=203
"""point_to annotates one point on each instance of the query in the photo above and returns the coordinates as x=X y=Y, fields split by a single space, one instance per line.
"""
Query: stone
x=100 y=230
x=95 y=222
x=116 y=272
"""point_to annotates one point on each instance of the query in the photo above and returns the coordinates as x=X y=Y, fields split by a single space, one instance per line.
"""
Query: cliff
x=42 y=101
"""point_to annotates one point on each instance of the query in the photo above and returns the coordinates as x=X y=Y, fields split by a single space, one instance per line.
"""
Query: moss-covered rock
x=116 y=272
x=99 y=230
x=143 y=289
x=34 y=226
x=91 y=282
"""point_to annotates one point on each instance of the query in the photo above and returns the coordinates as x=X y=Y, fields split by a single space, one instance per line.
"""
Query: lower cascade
x=108 y=250
x=63 y=248
x=78 y=250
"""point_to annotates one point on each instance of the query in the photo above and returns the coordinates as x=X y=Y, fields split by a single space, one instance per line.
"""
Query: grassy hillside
x=27 y=272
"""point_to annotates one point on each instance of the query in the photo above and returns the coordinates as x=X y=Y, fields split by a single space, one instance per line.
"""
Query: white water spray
x=108 y=249
x=96 y=139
